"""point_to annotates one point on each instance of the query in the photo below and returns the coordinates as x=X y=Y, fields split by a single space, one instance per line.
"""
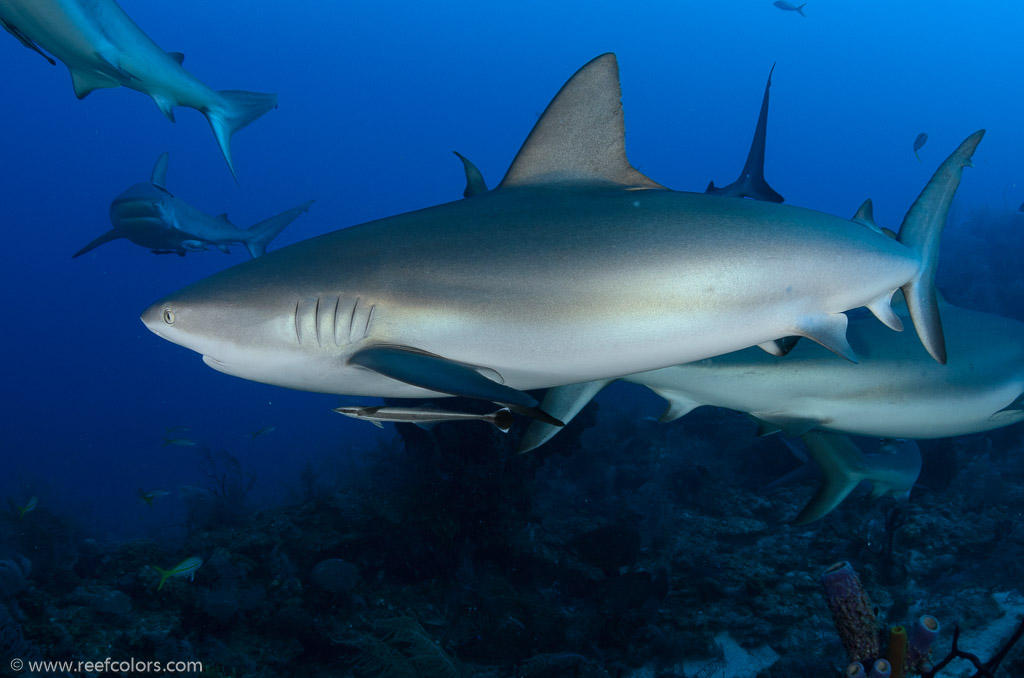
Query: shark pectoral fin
x=224 y=248
x=166 y=105
x=159 y=175
x=838 y=458
x=25 y=40
x=1016 y=406
x=882 y=309
x=563 y=403
x=679 y=405
x=829 y=330
x=439 y=374
x=85 y=82
x=580 y=137
x=105 y=238
x=177 y=56
x=475 y=184
x=865 y=216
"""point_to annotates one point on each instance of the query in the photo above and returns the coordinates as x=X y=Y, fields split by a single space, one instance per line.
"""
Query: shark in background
x=102 y=47
x=151 y=216
x=895 y=391
x=577 y=267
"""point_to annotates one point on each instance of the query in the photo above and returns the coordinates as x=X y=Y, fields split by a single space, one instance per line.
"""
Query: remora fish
x=576 y=267
x=151 y=216
x=103 y=47
x=751 y=182
x=501 y=419
x=892 y=470
x=896 y=390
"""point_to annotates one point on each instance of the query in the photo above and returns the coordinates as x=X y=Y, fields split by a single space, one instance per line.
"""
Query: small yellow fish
x=28 y=508
x=263 y=431
x=186 y=568
x=148 y=497
x=179 y=442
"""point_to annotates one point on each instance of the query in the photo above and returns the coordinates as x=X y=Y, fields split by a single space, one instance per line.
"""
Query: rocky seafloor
x=624 y=548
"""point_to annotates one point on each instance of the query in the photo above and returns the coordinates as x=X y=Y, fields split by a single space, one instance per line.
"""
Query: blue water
x=373 y=97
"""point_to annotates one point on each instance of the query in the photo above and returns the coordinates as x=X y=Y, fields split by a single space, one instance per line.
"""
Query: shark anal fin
x=103 y=239
x=25 y=40
x=679 y=405
x=177 y=56
x=564 y=403
x=85 y=82
x=439 y=374
x=580 y=138
x=829 y=330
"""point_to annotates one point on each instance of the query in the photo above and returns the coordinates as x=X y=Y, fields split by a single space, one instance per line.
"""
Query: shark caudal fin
x=841 y=463
x=751 y=182
x=257 y=237
x=921 y=231
x=234 y=110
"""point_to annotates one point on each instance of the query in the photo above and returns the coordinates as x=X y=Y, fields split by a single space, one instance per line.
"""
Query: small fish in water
x=918 y=143
x=263 y=431
x=179 y=442
x=28 y=508
x=501 y=419
x=177 y=429
x=186 y=568
x=790 y=7
x=148 y=497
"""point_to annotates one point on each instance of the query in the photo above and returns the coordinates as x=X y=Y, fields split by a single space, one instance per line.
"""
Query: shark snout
x=158 y=318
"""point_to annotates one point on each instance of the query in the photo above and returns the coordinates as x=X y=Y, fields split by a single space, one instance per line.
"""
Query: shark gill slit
x=316 y=320
x=334 y=321
x=295 y=322
x=369 y=319
x=352 y=317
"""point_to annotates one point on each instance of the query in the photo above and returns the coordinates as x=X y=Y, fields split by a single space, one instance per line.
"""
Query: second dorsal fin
x=580 y=138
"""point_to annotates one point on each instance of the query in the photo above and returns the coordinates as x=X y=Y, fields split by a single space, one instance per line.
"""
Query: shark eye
x=168 y=316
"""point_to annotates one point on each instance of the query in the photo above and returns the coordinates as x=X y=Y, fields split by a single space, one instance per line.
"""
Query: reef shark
x=151 y=216
x=102 y=47
x=751 y=182
x=576 y=267
x=896 y=390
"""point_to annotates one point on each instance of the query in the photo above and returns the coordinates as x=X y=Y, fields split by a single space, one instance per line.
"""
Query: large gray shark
x=103 y=47
x=751 y=182
x=576 y=267
x=150 y=216
x=896 y=390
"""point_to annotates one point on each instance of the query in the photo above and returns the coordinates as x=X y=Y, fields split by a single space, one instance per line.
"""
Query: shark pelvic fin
x=439 y=374
x=563 y=403
x=779 y=347
x=103 y=239
x=1016 y=406
x=85 y=82
x=840 y=460
x=475 y=184
x=829 y=330
x=25 y=40
x=866 y=216
x=580 y=138
x=921 y=231
x=159 y=175
x=751 y=182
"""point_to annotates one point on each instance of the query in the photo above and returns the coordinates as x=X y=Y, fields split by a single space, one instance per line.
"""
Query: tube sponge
x=897 y=651
x=881 y=669
x=856 y=670
x=852 y=613
x=921 y=637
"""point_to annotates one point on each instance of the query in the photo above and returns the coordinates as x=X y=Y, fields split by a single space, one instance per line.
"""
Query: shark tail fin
x=236 y=109
x=257 y=237
x=921 y=231
x=103 y=239
x=840 y=460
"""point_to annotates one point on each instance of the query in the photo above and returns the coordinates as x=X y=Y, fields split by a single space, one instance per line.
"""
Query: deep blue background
x=373 y=99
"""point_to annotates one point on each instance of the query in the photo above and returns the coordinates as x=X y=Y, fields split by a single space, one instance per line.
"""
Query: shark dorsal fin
x=159 y=176
x=223 y=216
x=580 y=137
